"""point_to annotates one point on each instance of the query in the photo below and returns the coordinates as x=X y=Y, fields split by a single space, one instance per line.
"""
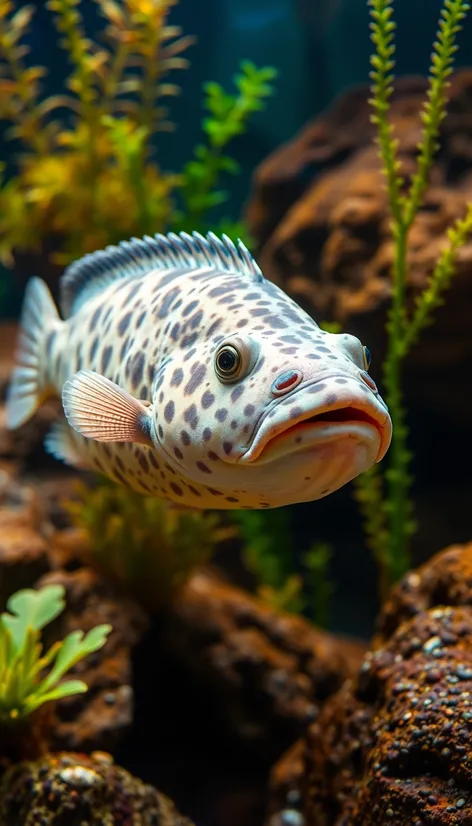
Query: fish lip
x=374 y=417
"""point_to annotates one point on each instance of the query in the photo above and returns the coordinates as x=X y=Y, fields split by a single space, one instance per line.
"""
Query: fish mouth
x=368 y=422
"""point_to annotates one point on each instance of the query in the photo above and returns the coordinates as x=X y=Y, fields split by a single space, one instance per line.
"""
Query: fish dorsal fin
x=172 y=254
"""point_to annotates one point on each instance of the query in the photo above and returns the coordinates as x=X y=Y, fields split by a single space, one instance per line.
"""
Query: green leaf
x=33 y=609
x=65 y=689
x=75 y=647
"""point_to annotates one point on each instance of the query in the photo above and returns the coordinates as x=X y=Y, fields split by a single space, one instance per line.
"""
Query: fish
x=185 y=374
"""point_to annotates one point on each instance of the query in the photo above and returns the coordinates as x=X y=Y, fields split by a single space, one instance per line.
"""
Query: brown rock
x=319 y=213
x=446 y=579
x=77 y=790
x=286 y=778
x=392 y=745
x=268 y=670
x=23 y=549
x=31 y=555
x=99 y=718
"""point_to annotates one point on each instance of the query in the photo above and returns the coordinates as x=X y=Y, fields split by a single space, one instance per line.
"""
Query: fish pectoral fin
x=59 y=443
x=99 y=409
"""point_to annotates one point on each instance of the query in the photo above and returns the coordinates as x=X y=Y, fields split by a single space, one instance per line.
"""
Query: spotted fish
x=185 y=374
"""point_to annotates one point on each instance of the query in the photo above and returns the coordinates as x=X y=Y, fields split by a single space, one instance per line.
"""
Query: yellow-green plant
x=385 y=497
x=148 y=544
x=88 y=173
x=30 y=677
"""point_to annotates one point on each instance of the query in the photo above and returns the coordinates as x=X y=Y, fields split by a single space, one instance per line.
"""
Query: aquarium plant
x=88 y=173
x=282 y=581
x=148 y=544
x=385 y=495
x=30 y=677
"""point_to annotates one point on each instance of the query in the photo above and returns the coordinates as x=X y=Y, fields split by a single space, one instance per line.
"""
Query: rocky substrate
x=258 y=675
x=393 y=745
x=73 y=789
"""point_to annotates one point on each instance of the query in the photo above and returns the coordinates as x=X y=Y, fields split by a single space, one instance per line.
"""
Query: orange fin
x=99 y=409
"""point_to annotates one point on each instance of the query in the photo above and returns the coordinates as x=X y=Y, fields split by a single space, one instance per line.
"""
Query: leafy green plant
x=149 y=545
x=88 y=173
x=227 y=118
x=28 y=677
x=269 y=555
x=385 y=496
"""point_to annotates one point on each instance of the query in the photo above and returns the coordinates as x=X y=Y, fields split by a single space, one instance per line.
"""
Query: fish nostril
x=286 y=381
x=368 y=380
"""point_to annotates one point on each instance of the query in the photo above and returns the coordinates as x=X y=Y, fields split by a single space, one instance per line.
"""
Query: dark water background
x=320 y=48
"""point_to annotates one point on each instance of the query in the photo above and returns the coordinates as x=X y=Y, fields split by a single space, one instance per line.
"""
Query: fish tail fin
x=28 y=385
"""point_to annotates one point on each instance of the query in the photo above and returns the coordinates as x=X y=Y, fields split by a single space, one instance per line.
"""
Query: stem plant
x=385 y=498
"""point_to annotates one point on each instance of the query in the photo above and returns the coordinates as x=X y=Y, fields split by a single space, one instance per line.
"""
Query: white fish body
x=185 y=374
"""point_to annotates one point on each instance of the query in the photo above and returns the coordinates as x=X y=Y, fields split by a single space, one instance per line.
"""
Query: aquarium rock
x=269 y=671
x=393 y=745
x=320 y=215
x=77 y=790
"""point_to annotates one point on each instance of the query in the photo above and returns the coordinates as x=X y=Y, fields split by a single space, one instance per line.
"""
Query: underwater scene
x=235 y=413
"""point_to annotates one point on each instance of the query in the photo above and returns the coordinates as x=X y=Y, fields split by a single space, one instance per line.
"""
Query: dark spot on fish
x=237 y=392
x=177 y=377
x=227 y=447
x=190 y=416
x=137 y=369
x=213 y=327
x=207 y=399
x=249 y=410
x=196 y=380
x=221 y=414
x=177 y=490
x=189 y=308
x=169 y=412
x=185 y=438
x=94 y=320
x=178 y=453
x=143 y=462
x=124 y=324
x=106 y=356
x=203 y=467
x=187 y=341
x=206 y=435
x=174 y=333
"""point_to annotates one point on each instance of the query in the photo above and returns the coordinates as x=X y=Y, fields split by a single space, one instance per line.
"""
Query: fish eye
x=227 y=362
x=367 y=357
x=234 y=358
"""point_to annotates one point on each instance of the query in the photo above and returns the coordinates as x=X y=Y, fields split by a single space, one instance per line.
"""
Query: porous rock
x=446 y=579
x=268 y=670
x=101 y=717
x=32 y=554
x=319 y=214
x=77 y=790
x=392 y=746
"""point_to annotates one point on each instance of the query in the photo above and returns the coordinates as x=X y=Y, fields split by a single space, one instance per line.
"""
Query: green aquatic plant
x=149 y=545
x=227 y=117
x=269 y=555
x=385 y=496
x=30 y=677
x=88 y=173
